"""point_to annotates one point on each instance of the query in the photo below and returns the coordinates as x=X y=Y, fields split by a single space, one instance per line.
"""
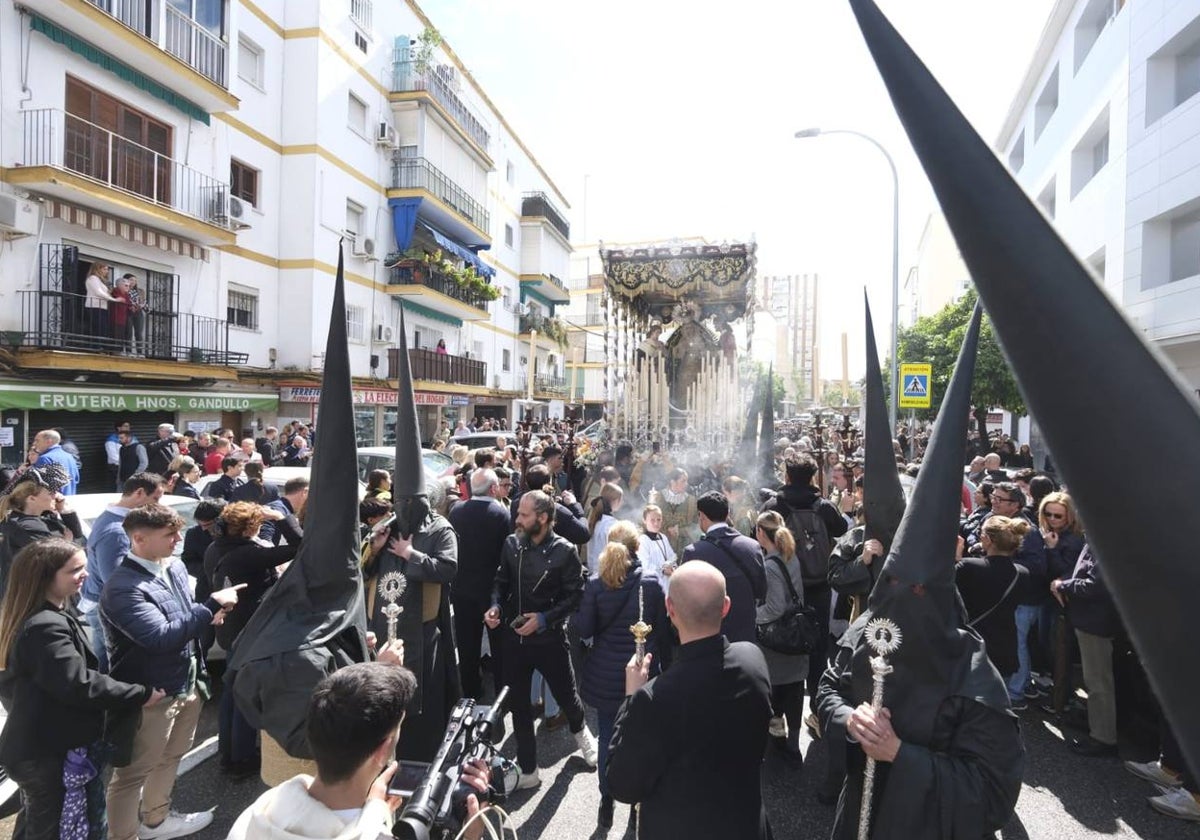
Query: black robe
x=429 y=645
x=962 y=785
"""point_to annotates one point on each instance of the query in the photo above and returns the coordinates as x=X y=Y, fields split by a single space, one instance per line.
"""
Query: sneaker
x=176 y=825
x=813 y=724
x=587 y=746
x=553 y=722
x=529 y=780
x=1153 y=772
x=1178 y=803
x=777 y=728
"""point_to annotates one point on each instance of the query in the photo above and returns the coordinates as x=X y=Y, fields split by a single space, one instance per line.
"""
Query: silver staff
x=391 y=587
x=883 y=637
x=640 y=631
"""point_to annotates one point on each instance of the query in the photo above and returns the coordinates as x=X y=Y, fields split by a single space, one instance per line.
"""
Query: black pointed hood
x=766 y=434
x=314 y=619
x=1101 y=381
x=408 y=478
x=916 y=591
x=883 y=497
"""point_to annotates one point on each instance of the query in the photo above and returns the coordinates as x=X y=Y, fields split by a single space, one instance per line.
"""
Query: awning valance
x=465 y=254
x=62 y=398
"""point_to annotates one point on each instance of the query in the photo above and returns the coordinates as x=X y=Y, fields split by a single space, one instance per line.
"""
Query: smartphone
x=407 y=778
x=518 y=622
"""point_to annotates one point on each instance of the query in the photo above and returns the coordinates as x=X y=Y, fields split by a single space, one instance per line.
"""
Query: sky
x=662 y=119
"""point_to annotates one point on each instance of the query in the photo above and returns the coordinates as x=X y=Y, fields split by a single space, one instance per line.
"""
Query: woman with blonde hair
x=96 y=303
x=991 y=588
x=787 y=671
x=600 y=520
x=55 y=696
x=32 y=511
x=614 y=599
x=1062 y=534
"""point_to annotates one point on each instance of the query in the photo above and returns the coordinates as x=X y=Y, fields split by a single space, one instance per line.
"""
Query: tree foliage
x=936 y=339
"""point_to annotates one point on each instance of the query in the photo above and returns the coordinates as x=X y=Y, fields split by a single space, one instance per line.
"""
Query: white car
x=384 y=458
x=89 y=506
x=276 y=477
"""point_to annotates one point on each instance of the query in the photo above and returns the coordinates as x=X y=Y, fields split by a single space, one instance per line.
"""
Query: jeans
x=1027 y=618
x=40 y=782
x=604 y=725
x=98 y=646
x=539 y=692
x=235 y=736
x=521 y=659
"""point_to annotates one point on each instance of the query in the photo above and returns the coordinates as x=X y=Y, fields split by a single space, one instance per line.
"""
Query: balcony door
x=111 y=142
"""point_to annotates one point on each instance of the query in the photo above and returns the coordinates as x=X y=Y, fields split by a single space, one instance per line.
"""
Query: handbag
x=794 y=633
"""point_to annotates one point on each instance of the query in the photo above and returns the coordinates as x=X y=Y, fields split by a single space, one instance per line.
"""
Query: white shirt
x=598 y=541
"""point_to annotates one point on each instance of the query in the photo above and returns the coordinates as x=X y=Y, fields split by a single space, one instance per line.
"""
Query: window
x=358 y=115
x=1097 y=263
x=1090 y=155
x=354 y=218
x=361 y=12
x=510 y=172
x=506 y=360
x=1185 y=246
x=1173 y=73
x=250 y=62
x=1096 y=16
x=1048 y=199
x=506 y=298
x=360 y=41
x=243 y=182
x=1046 y=105
x=356 y=324
x=508 y=235
x=242 y=308
x=1016 y=158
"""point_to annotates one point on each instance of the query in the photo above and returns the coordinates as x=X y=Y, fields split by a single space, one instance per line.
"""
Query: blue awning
x=404 y=220
x=465 y=254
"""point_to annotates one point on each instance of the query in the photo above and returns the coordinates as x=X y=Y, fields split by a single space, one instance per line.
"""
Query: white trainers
x=1177 y=803
x=1152 y=771
x=778 y=728
x=587 y=746
x=528 y=780
x=176 y=825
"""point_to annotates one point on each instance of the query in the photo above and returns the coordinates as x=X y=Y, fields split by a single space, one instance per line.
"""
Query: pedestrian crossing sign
x=914 y=385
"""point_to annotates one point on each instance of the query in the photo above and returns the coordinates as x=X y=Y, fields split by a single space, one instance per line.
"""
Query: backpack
x=813 y=545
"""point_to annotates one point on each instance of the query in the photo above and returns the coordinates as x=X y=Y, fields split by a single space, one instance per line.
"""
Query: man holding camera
x=538 y=586
x=163 y=451
x=353 y=724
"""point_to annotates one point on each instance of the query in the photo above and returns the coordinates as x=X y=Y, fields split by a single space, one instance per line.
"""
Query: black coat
x=160 y=454
x=54 y=695
x=184 y=488
x=991 y=606
x=230 y=561
x=21 y=529
x=688 y=744
x=482 y=525
x=745 y=578
x=546 y=578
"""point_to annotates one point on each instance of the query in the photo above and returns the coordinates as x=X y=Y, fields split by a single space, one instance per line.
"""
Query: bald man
x=687 y=744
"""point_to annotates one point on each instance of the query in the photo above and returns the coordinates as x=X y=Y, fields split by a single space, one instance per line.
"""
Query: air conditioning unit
x=384 y=334
x=386 y=136
x=522 y=308
x=18 y=216
x=229 y=211
x=364 y=247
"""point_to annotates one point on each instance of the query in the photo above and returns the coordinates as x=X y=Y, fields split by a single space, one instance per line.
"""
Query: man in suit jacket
x=691 y=786
x=483 y=525
x=739 y=559
x=152 y=626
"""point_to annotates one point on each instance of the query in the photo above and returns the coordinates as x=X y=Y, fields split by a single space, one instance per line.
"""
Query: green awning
x=529 y=291
x=418 y=309
x=56 y=398
x=139 y=80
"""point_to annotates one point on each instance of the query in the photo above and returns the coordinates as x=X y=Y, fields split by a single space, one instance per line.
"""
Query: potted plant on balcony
x=422 y=55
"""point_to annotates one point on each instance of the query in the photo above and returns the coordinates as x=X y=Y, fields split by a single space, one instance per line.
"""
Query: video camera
x=436 y=807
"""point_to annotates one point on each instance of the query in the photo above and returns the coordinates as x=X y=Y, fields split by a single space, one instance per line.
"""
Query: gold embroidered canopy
x=655 y=279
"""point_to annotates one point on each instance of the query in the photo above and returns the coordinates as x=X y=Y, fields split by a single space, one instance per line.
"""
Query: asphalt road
x=1064 y=797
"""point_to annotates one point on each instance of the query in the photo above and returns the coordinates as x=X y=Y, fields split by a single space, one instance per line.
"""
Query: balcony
x=434 y=289
x=362 y=12
x=431 y=366
x=553 y=329
x=545 y=386
x=57 y=320
x=538 y=205
x=168 y=46
x=547 y=286
x=452 y=209
x=73 y=159
x=437 y=84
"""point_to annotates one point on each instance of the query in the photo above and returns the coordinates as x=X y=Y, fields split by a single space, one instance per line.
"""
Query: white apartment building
x=938 y=276
x=219 y=150
x=792 y=300
x=1105 y=133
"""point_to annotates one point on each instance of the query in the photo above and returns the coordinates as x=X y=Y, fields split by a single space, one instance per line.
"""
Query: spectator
x=248 y=452
x=133 y=457
x=196 y=541
x=254 y=489
x=268 y=446
x=153 y=627
x=738 y=558
x=112 y=452
x=163 y=451
x=379 y=485
x=31 y=512
x=187 y=473
x=292 y=505
x=200 y=449
x=229 y=481
x=217 y=453
x=136 y=329
x=95 y=305
x=601 y=518
x=49 y=446
x=297 y=452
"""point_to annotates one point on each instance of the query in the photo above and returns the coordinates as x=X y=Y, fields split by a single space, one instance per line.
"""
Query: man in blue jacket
x=153 y=627
x=49 y=447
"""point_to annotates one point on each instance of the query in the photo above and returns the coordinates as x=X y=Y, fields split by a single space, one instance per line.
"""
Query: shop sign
x=426 y=398
x=460 y=401
x=94 y=399
x=364 y=396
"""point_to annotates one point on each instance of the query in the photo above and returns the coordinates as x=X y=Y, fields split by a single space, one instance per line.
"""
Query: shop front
x=88 y=416
x=375 y=412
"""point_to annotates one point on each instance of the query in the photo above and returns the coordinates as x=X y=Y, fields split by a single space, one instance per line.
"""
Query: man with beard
x=538 y=586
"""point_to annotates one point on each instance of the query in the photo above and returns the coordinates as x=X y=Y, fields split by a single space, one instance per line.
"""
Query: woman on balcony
x=118 y=316
x=441 y=347
x=95 y=305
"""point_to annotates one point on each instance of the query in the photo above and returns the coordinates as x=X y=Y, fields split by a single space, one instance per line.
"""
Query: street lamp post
x=895 y=364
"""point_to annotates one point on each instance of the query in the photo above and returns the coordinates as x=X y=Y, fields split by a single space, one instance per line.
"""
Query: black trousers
x=553 y=658
x=41 y=785
x=468 y=635
x=788 y=701
x=818 y=597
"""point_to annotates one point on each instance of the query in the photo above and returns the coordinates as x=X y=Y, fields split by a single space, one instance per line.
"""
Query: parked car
x=89 y=506
x=384 y=458
x=276 y=477
x=483 y=440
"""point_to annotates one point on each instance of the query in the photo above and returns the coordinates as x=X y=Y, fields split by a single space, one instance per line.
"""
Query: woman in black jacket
x=54 y=696
x=613 y=601
x=187 y=473
x=32 y=511
x=237 y=557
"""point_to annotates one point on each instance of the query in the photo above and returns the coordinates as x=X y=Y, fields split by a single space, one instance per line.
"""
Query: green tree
x=936 y=339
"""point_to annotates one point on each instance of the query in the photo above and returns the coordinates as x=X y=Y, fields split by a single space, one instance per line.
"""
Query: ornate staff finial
x=884 y=637
x=640 y=630
x=391 y=587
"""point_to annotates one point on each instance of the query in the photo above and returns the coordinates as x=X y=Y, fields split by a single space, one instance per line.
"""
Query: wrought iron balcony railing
x=437 y=82
x=181 y=36
x=539 y=204
x=432 y=366
x=431 y=278
x=420 y=174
